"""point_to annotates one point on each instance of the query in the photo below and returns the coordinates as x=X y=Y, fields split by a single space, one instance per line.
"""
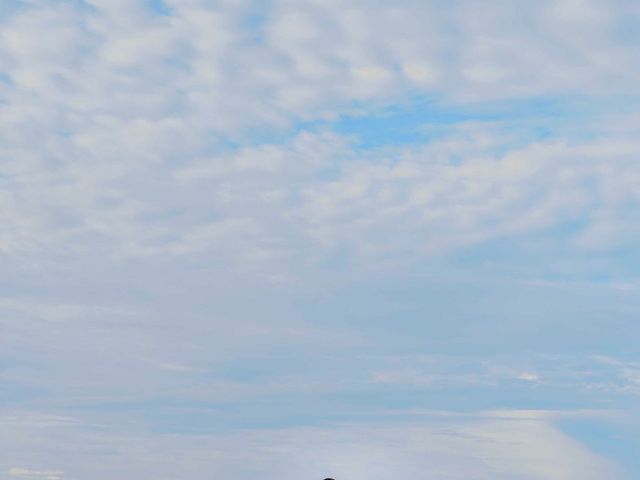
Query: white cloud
x=106 y=115
x=485 y=445
x=184 y=165
x=56 y=312
x=269 y=201
x=36 y=474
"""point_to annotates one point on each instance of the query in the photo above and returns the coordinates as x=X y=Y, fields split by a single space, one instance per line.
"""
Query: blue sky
x=301 y=239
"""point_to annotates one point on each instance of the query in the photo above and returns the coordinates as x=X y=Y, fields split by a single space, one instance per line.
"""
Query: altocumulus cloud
x=102 y=110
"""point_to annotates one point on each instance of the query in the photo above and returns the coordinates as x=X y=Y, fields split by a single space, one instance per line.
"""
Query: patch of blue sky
x=423 y=119
x=626 y=31
x=254 y=21
x=160 y=7
x=484 y=316
x=9 y=6
x=614 y=439
x=15 y=393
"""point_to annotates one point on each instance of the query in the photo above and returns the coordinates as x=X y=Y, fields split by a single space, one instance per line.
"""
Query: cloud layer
x=489 y=445
x=237 y=233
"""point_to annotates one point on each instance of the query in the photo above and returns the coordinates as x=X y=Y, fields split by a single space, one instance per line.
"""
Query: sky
x=298 y=239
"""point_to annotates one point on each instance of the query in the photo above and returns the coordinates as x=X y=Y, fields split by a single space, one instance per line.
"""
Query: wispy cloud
x=36 y=474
